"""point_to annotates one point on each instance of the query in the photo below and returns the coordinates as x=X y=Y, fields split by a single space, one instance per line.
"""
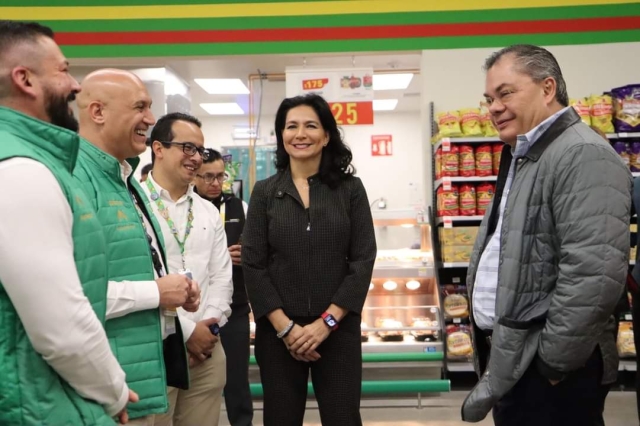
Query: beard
x=57 y=108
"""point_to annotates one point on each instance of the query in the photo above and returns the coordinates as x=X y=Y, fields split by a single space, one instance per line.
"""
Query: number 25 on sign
x=352 y=113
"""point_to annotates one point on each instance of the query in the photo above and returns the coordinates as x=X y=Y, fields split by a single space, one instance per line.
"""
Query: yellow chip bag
x=470 y=122
x=449 y=124
x=488 y=129
x=602 y=112
x=582 y=108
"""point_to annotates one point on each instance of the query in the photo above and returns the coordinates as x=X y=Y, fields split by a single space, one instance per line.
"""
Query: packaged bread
x=488 y=129
x=625 y=343
x=582 y=108
x=456 y=305
x=601 y=111
x=449 y=124
x=459 y=342
x=470 y=122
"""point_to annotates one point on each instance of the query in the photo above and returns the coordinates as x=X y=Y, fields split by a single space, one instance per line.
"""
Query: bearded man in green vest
x=56 y=366
x=142 y=323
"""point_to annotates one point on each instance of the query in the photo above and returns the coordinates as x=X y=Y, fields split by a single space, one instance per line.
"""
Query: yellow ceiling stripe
x=279 y=9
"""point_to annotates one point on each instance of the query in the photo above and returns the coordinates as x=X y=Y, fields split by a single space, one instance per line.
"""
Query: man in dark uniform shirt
x=235 y=334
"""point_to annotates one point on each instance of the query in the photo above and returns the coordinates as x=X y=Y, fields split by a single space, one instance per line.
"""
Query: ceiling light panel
x=391 y=81
x=385 y=104
x=224 y=108
x=222 y=86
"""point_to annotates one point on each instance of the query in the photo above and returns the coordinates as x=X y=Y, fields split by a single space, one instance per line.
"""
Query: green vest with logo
x=136 y=338
x=32 y=392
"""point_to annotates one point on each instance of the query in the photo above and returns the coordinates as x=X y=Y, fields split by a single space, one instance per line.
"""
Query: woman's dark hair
x=213 y=156
x=335 y=164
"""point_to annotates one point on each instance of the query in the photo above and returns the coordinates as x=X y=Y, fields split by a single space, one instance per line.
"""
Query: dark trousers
x=237 y=396
x=577 y=400
x=336 y=376
x=635 y=312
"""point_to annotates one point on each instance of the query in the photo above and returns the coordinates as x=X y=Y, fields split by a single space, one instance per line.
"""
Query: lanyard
x=155 y=256
x=164 y=212
x=223 y=210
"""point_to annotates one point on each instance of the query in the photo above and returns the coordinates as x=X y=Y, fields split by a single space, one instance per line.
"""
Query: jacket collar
x=61 y=143
x=566 y=120
x=106 y=162
x=286 y=185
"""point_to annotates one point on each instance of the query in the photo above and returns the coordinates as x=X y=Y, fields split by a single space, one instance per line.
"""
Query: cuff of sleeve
x=147 y=295
x=187 y=325
x=547 y=371
x=115 y=408
x=212 y=312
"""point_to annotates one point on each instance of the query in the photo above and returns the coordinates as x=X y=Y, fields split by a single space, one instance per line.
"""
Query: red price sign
x=352 y=113
x=317 y=83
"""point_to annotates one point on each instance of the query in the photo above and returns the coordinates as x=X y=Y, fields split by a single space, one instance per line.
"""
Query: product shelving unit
x=455 y=272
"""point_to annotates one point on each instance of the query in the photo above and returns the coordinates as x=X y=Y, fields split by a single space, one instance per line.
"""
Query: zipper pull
x=309 y=226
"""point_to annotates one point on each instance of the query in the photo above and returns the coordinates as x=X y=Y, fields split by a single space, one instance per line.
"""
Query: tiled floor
x=444 y=410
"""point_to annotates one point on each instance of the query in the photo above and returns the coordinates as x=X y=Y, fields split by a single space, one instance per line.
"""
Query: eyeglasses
x=209 y=178
x=190 y=149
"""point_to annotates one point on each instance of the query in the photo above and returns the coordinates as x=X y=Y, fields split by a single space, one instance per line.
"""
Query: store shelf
x=627 y=365
x=460 y=367
x=441 y=220
x=403 y=272
x=455 y=264
x=461 y=179
x=623 y=135
x=374 y=345
x=466 y=140
x=635 y=174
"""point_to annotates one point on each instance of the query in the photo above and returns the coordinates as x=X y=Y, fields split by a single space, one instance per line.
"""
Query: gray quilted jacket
x=563 y=261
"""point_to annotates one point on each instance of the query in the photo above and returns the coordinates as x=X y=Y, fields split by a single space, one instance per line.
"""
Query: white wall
x=454 y=78
x=388 y=177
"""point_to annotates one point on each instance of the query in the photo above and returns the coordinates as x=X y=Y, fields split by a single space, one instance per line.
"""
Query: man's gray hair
x=537 y=62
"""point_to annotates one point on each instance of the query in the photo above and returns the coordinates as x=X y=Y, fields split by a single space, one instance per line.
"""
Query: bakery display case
x=402 y=310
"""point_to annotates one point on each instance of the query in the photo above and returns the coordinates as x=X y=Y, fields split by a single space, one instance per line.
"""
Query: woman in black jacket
x=308 y=254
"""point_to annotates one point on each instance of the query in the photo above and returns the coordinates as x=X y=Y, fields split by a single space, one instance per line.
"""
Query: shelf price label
x=314 y=84
x=446 y=144
x=352 y=113
x=448 y=223
x=446 y=183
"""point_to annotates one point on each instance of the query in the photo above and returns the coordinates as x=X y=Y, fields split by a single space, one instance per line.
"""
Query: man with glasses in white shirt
x=196 y=246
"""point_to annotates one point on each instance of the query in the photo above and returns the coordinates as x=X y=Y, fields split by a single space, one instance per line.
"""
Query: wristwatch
x=330 y=320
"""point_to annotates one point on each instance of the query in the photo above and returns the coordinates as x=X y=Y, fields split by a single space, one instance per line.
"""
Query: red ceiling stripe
x=352 y=33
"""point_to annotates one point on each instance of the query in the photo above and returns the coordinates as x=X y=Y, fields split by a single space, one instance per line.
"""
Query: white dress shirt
x=206 y=254
x=38 y=272
x=486 y=283
x=126 y=297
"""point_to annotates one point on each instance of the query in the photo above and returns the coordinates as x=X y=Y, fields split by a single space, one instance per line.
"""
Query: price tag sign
x=456 y=280
x=623 y=135
x=349 y=91
x=628 y=317
x=457 y=320
x=350 y=113
x=422 y=272
x=448 y=223
x=446 y=145
x=446 y=183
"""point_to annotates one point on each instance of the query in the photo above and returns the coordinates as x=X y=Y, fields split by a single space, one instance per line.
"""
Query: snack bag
x=447 y=201
x=623 y=151
x=438 y=163
x=449 y=124
x=484 y=195
x=484 y=160
x=582 y=108
x=470 y=122
x=626 y=106
x=450 y=162
x=634 y=158
x=467 y=199
x=467 y=161
x=496 y=152
x=488 y=129
x=601 y=112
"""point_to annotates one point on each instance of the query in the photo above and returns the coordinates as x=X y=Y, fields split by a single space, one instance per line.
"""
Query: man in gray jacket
x=551 y=256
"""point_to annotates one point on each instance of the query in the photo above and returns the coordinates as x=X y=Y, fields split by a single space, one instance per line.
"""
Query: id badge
x=186 y=272
x=169 y=325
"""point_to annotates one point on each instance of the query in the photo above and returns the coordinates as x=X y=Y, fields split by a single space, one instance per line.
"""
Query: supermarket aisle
x=445 y=411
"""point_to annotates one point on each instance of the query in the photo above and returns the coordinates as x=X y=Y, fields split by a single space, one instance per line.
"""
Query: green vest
x=32 y=392
x=136 y=338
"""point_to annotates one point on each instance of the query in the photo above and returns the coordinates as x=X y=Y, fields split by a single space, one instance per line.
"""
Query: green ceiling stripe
x=76 y=3
x=212 y=49
x=346 y=20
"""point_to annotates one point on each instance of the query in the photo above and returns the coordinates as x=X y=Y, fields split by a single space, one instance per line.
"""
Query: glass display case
x=402 y=310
